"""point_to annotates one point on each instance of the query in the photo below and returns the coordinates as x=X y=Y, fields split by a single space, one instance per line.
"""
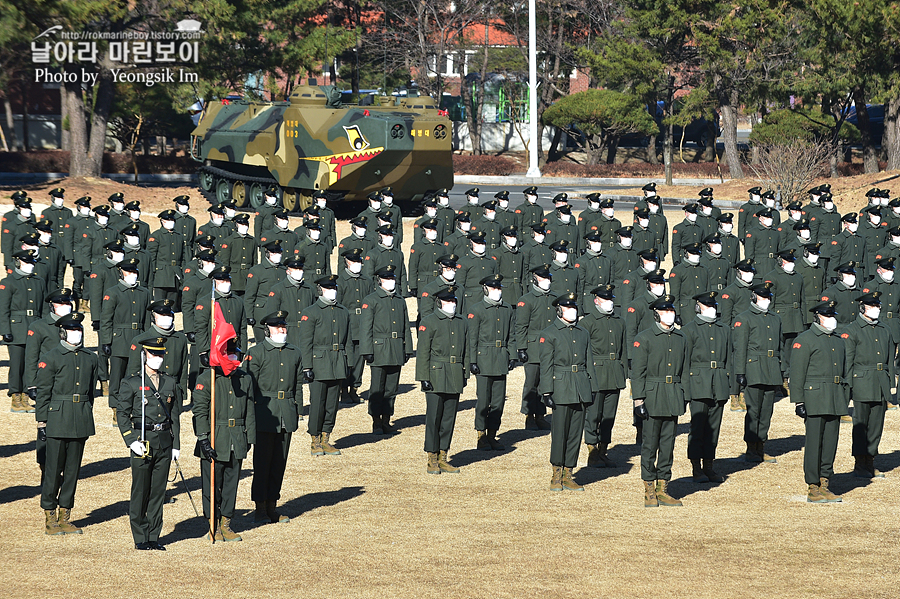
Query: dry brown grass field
x=372 y=523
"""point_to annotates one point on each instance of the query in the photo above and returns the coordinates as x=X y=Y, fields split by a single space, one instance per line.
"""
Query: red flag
x=222 y=333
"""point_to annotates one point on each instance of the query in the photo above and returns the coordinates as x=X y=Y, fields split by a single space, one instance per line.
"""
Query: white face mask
x=565 y=217
x=796 y=215
x=116 y=257
x=26 y=267
x=444 y=201
x=118 y=206
x=130 y=278
x=649 y=194
x=608 y=212
x=230 y=212
x=478 y=248
x=168 y=225
x=388 y=201
x=849 y=280
x=275 y=258
x=504 y=204
x=643 y=222
x=896 y=210
x=887 y=275
x=511 y=241
x=25 y=212
x=763 y=303
x=431 y=212
x=667 y=318
x=829 y=205
x=62 y=309
x=691 y=217
x=281 y=223
x=473 y=200
x=788 y=266
x=692 y=259
x=596 y=246
x=706 y=210
x=715 y=248
x=657 y=289
x=449 y=274
x=387 y=241
x=494 y=294
x=58 y=202
x=625 y=242
x=829 y=323
x=217 y=220
x=746 y=276
x=354 y=267
x=654 y=208
x=431 y=234
x=329 y=294
x=74 y=336
x=84 y=211
x=207 y=267
x=45 y=237
x=278 y=337
x=570 y=314
x=465 y=226
x=102 y=220
x=561 y=257
x=182 y=208
x=389 y=284
x=606 y=306
x=813 y=258
x=852 y=227
x=154 y=362
x=593 y=205
x=874 y=219
x=375 y=206
x=135 y=215
x=271 y=201
x=543 y=284
x=770 y=203
x=539 y=238
x=360 y=231
x=315 y=234
x=531 y=198
x=765 y=222
x=490 y=214
x=707 y=311
x=448 y=308
x=726 y=227
x=296 y=275
x=243 y=229
x=804 y=233
x=872 y=312
x=223 y=287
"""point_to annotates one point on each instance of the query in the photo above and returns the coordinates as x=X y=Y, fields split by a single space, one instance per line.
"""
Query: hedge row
x=57 y=161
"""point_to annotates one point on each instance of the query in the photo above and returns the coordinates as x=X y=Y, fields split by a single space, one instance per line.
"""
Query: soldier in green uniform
x=133 y=218
x=445 y=212
x=280 y=231
x=292 y=295
x=763 y=241
x=314 y=248
x=100 y=233
x=22 y=296
x=40 y=268
x=885 y=283
x=388 y=208
x=358 y=237
x=202 y=243
x=132 y=248
x=642 y=237
x=505 y=217
x=81 y=251
x=510 y=264
x=843 y=291
x=118 y=215
x=685 y=233
x=528 y=212
x=260 y=281
x=16 y=222
x=122 y=316
x=568 y=383
x=185 y=223
x=232 y=309
x=422 y=256
x=168 y=255
x=891 y=248
x=353 y=287
x=175 y=362
x=564 y=276
x=50 y=255
x=594 y=267
x=430 y=207
x=229 y=207
x=440 y=368
x=747 y=211
x=870 y=347
x=622 y=257
x=813 y=275
x=148 y=413
x=827 y=222
x=789 y=304
x=756 y=336
x=688 y=278
x=786 y=228
x=276 y=368
x=197 y=286
x=734 y=300
x=488 y=225
x=534 y=313
x=536 y=251
x=819 y=388
x=239 y=253
x=708 y=363
x=608 y=224
x=385 y=343
x=458 y=240
x=718 y=268
x=235 y=433
x=448 y=264
x=874 y=230
x=848 y=246
x=474 y=265
x=659 y=360
x=638 y=315
x=731 y=245
x=374 y=207
x=607 y=331
x=324 y=337
x=587 y=219
x=264 y=219
x=216 y=227
x=472 y=204
x=561 y=226
x=491 y=337
x=60 y=217
x=800 y=235
x=383 y=254
x=65 y=382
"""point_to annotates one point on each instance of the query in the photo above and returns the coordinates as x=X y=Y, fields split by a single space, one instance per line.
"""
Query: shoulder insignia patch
x=199 y=387
x=412 y=250
x=542 y=340
x=151 y=239
x=30 y=333
x=834 y=243
x=186 y=289
x=637 y=343
x=304 y=317
x=424 y=294
x=741 y=210
x=630 y=308
x=865 y=291
x=224 y=245
x=42 y=365
x=471 y=315
x=521 y=303
x=365 y=306
x=672 y=276
x=843 y=336
x=737 y=324
x=421 y=327
x=83 y=234
x=199 y=307
x=749 y=235
x=271 y=294
x=579 y=266
x=105 y=297
x=725 y=296
x=367 y=258
x=133 y=347
x=249 y=275
x=824 y=298
x=626 y=281
x=93 y=275
x=798 y=346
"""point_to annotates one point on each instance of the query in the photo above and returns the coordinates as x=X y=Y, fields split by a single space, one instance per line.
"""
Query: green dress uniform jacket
x=220 y=232
x=622 y=261
x=100 y=236
x=733 y=300
x=638 y=317
x=684 y=234
x=14 y=226
x=419 y=232
x=607 y=333
x=708 y=361
x=819 y=379
x=890 y=303
x=565 y=278
x=82 y=240
x=789 y=302
x=506 y=218
x=128 y=411
x=595 y=269
x=21 y=303
x=235 y=416
x=718 y=269
x=187 y=226
x=475 y=211
x=746 y=215
x=876 y=237
x=422 y=268
x=260 y=281
x=43 y=335
x=289 y=240
x=658 y=363
x=447 y=216
x=847 y=246
x=536 y=254
x=567 y=364
x=353 y=241
x=175 y=362
x=491 y=230
x=660 y=228
x=324 y=335
x=51 y=266
x=608 y=228
x=528 y=214
x=316 y=256
x=143 y=229
x=869 y=348
x=145 y=270
x=731 y=247
x=757 y=346
x=558 y=230
x=441 y=354
x=239 y=252
x=457 y=242
x=62 y=233
x=587 y=221
x=168 y=254
x=384 y=329
x=105 y=275
x=351 y=290
x=511 y=266
x=685 y=281
x=277 y=384
x=643 y=239
x=491 y=336
x=233 y=312
x=293 y=298
x=197 y=286
x=813 y=284
x=534 y=313
x=472 y=269
x=264 y=219
x=761 y=244
x=66 y=379
x=844 y=296
x=124 y=315
x=379 y=257
x=426 y=296
x=824 y=225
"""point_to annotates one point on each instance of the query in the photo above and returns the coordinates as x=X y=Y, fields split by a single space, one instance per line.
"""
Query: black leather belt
x=164 y=426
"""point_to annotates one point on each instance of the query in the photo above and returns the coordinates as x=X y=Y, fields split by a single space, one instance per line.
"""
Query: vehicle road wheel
x=239 y=193
x=288 y=200
x=257 y=196
x=207 y=180
x=223 y=190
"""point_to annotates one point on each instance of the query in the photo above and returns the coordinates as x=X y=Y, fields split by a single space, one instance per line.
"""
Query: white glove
x=137 y=448
x=175 y=454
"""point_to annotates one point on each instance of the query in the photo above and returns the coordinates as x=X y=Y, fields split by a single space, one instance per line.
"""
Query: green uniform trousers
x=61 y=472
x=103 y=361
x=821 y=446
x=383 y=389
x=16 y=368
x=531 y=400
x=868 y=424
x=323 y=405
x=706 y=420
x=228 y=473
x=600 y=417
x=79 y=291
x=760 y=400
x=658 y=448
x=269 y=463
x=440 y=419
x=787 y=345
x=490 y=392
x=566 y=427
x=355 y=365
x=117 y=371
x=148 y=488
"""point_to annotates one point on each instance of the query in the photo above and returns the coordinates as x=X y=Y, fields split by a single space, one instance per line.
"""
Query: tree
x=807 y=124
x=598 y=118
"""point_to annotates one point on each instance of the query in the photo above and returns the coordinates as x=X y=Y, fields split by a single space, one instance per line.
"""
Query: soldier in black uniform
x=149 y=412
x=239 y=253
x=185 y=223
x=385 y=343
x=168 y=254
x=276 y=369
x=292 y=295
x=534 y=313
x=353 y=287
x=162 y=326
x=21 y=303
x=260 y=280
x=81 y=251
x=15 y=223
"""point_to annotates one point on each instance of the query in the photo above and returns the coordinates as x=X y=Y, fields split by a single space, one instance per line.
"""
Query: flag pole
x=212 y=417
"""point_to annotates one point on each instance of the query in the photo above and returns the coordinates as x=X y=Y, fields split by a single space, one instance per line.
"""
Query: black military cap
x=593 y=236
x=207 y=241
x=560 y=246
x=539 y=228
x=229 y=203
x=359 y=221
x=44 y=224
x=755 y=190
x=448 y=260
x=380 y=230
x=163 y=306
x=870 y=299
x=768 y=195
x=707 y=298
x=62 y=296
x=649 y=187
x=654 y=199
x=133 y=205
x=207 y=255
x=787 y=255
x=295 y=262
x=714 y=238
x=850 y=217
x=319 y=194
x=648 y=254
x=131 y=264
x=242 y=219
x=57 y=192
x=25 y=256
x=502 y=195
x=30 y=238
x=655 y=276
x=102 y=210
x=705 y=201
x=18 y=195
x=23 y=202
x=763 y=289
x=271 y=190
x=693 y=248
x=510 y=231
x=385 y=191
x=725 y=217
x=447 y=295
x=431 y=223
x=463 y=217
x=430 y=203
x=803 y=223
x=885 y=193
x=354 y=254
x=490 y=205
x=221 y=273
x=83 y=201
x=116 y=197
x=813 y=248
x=530 y=190
x=387 y=272
x=666 y=302
x=765 y=213
x=604 y=291
x=606 y=203
x=383 y=219
x=171 y=215
x=275 y=319
x=642 y=212
x=131 y=229
x=315 y=225
x=795 y=205
x=872 y=210
x=182 y=199
x=895 y=203
x=216 y=209
x=706 y=192
x=274 y=247
x=825 y=197
x=847 y=267
x=825 y=308
x=567 y=300
x=746 y=265
x=115 y=246
x=472 y=192
x=476 y=236
x=542 y=271
x=561 y=197
x=329 y=282
x=70 y=321
x=495 y=281
x=280 y=213
x=443 y=192
x=374 y=196
x=624 y=231
x=873 y=193
x=885 y=263
x=155 y=345
x=692 y=208
x=311 y=212
x=592 y=197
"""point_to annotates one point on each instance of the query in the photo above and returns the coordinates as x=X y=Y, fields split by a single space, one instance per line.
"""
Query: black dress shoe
x=145 y=546
x=156 y=546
